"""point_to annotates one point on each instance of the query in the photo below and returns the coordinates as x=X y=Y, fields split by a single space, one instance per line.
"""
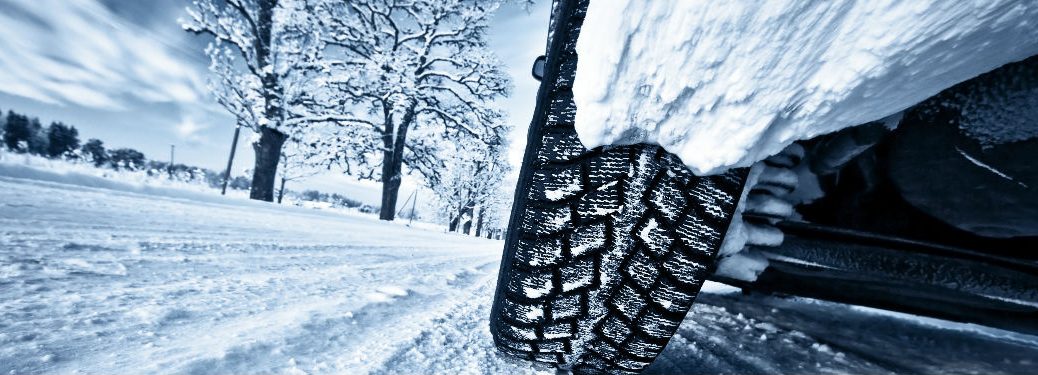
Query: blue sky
x=124 y=72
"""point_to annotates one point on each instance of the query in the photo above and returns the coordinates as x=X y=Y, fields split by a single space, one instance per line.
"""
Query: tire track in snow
x=458 y=341
x=248 y=340
x=351 y=340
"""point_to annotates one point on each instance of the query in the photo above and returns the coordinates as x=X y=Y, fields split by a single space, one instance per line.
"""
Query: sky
x=124 y=71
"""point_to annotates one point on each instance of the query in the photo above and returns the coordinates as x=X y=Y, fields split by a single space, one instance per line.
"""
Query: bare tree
x=494 y=213
x=469 y=185
x=263 y=56
x=405 y=78
x=298 y=162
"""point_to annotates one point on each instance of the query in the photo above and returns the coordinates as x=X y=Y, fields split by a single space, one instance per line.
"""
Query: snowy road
x=105 y=281
x=102 y=281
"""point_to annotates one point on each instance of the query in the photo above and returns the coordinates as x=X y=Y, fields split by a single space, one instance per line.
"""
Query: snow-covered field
x=96 y=280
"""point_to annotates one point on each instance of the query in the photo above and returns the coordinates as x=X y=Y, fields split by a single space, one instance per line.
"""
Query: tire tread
x=607 y=247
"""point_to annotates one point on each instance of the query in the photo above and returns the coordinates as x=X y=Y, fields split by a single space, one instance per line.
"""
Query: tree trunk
x=268 y=148
x=453 y=224
x=390 y=189
x=392 y=163
x=458 y=219
x=268 y=153
x=467 y=228
x=281 y=191
x=479 y=222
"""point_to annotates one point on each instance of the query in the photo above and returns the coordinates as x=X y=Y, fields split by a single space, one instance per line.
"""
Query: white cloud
x=79 y=52
x=188 y=129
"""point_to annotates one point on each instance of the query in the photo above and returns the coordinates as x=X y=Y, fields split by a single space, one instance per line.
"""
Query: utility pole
x=281 y=192
x=404 y=206
x=169 y=169
x=230 y=160
x=415 y=203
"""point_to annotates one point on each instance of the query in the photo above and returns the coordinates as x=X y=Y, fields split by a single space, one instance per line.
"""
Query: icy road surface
x=109 y=282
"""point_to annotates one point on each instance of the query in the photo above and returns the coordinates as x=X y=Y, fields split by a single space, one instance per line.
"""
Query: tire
x=606 y=248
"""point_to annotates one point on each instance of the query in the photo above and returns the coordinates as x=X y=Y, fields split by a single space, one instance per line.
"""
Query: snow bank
x=63 y=172
x=725 y=86
x=85 y=174
x=37 y=168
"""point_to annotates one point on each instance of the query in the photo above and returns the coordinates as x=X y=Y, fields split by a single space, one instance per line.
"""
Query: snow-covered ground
x=96 y=280
x=105 y=281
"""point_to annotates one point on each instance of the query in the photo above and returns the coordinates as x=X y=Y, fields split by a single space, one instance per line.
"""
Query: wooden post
x=230 y=160
x=281 y=192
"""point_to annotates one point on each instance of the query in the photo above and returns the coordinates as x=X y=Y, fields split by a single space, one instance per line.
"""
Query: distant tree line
x=22 y=134
x=59 y=141
x=337 y=200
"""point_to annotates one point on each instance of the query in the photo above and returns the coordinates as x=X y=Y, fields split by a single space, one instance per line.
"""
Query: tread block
x=642 y=347
x=588 y=238
x=642 y=270
x=547 y=221
x=524 y=313
x=603 y=201
x=546 y=357
x=559 y=147
x=579 y=274
x=592 y=365
x=561 y=109
x=581 y=9
x=567 y=72
x=628 y=302
x=532 y=285
x=668 y=199
x=567 y=307
x=671 y=298
x=677 y=172
x=574 y=24
x=516 y=337
x=632 y=365
x=711 y=200
x=656 y=237
x=560 y=330
x=686 y=269
x=552 y=346
x=612 y=165
x=698 y=235
x=554 y=185
x=539 y=252
x=657 y=325
x=604 y=349
x=615 y=329
x=509 y=342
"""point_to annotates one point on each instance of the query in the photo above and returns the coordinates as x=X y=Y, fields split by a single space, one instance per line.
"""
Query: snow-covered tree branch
x=298 y=162
x=414 y=77
x=263 y=58
x=469 y=188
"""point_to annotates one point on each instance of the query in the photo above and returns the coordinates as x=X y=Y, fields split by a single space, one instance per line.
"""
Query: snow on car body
x=726 y=86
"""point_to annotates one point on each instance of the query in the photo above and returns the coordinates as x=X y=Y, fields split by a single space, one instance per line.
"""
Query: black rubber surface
x=607 y=248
